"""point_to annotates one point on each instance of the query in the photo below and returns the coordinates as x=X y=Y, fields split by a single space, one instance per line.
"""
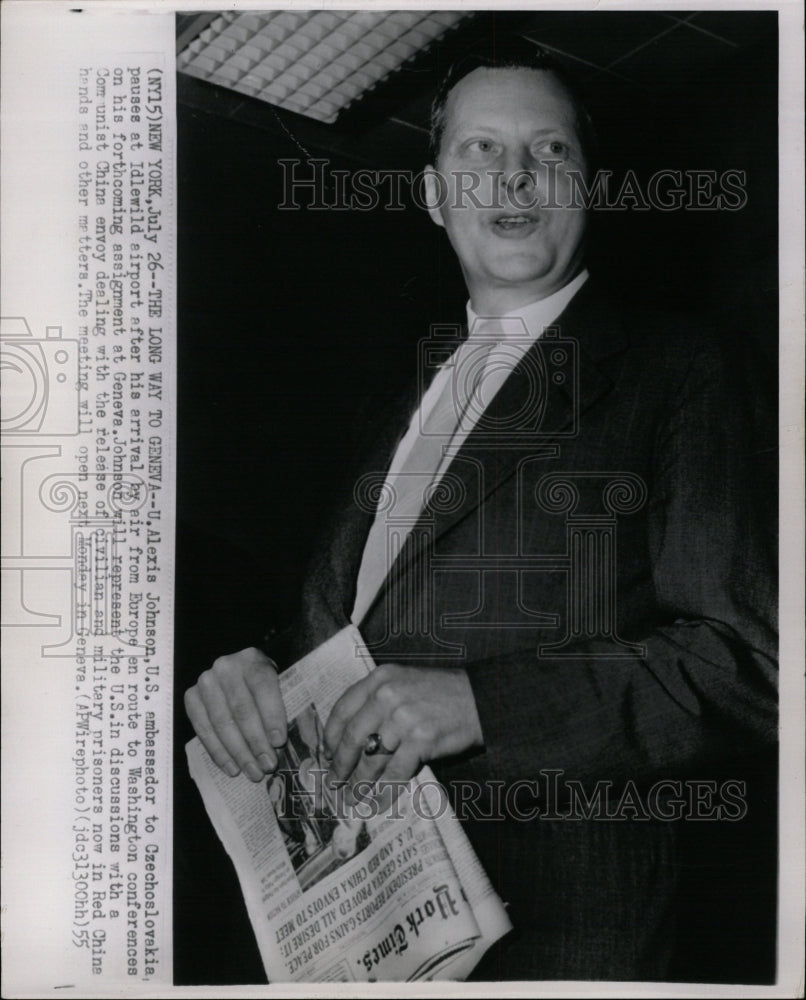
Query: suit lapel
x=357 y=509
x=534 y=410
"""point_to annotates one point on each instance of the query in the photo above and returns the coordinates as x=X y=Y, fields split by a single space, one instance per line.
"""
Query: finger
x=404 y=763
x=264 y=685
x=366 y=720
x=225 y=726
x=370 y=768
x=197 y=713
x=400 y=769
x=244 y=713
x=345 y=709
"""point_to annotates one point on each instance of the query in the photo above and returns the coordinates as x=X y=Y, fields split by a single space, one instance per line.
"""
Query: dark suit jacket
x=604 y=569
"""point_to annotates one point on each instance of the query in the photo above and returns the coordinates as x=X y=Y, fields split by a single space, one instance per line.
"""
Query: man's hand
x=238 y=714
x=420 y=713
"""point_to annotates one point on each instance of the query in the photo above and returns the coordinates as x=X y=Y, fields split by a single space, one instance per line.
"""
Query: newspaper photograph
x=401 y=424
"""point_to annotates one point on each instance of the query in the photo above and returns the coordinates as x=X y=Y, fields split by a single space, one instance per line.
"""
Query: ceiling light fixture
x=314 y=62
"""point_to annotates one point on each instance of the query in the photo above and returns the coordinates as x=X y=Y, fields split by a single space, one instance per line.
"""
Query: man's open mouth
x=515 y=222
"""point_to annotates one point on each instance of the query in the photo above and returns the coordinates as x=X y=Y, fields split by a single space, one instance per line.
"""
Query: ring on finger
x=374 y=745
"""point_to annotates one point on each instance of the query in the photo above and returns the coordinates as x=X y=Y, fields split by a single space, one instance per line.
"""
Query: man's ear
x=436 y=193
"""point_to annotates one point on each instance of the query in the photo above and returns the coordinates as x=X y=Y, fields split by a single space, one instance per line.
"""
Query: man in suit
x=577 y=604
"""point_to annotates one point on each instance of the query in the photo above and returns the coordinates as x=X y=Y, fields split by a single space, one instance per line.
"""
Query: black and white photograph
x=402 y=446
x=569 y=578
x=316 y=838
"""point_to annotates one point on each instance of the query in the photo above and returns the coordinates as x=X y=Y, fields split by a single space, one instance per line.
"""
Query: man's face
x=509 y=141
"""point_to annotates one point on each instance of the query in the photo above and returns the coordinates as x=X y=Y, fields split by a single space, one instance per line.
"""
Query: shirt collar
x=535 y=316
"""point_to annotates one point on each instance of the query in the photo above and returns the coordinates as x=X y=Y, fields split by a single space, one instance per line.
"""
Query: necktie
x=463 y=396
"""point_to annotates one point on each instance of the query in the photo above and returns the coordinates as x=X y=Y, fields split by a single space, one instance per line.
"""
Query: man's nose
x=519 y=178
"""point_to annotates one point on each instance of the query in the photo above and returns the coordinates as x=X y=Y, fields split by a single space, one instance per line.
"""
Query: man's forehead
x=509 y=92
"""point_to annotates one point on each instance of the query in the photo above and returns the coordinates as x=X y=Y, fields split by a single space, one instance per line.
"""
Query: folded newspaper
x=339 y=895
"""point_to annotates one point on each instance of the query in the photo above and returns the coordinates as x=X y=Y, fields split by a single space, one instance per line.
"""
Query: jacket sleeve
x=706 y=687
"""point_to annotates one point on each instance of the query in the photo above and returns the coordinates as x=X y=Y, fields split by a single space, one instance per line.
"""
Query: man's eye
x=482 y=146
x=555 y=147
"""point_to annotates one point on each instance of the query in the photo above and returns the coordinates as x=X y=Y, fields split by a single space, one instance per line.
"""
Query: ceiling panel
x=675 y=57
x=744 y=29
x=598 y=38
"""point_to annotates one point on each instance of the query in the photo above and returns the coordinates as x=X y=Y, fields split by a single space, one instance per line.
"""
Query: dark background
x=295 y=327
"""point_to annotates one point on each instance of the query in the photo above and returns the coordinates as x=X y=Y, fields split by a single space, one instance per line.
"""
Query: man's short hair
x=511 y=53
